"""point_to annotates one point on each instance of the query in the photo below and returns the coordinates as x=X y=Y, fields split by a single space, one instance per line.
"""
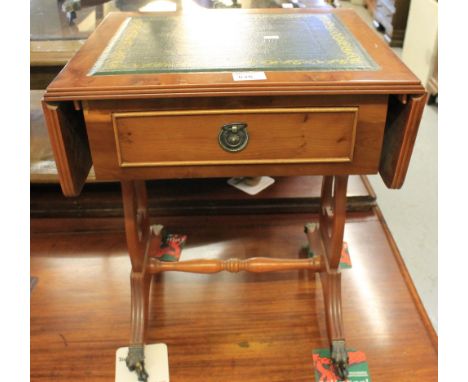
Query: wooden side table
x=299 y=92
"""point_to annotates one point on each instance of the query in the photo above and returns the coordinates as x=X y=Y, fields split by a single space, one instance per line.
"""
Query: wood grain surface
x=288 y=135
x=42 y=163
x=110 y=94
x=400 y=135
x=224 y=327
x=70 y=146
x=53 y=52
x=188 y=143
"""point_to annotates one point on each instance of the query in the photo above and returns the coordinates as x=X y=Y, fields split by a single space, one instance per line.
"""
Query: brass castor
x=339 y=358
x=136 y=362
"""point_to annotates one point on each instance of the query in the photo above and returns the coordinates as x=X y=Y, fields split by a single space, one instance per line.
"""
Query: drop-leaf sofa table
x=225 y=93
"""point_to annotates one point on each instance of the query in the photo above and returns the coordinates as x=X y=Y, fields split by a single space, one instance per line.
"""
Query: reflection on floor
x=223 y=327
x=411 y=213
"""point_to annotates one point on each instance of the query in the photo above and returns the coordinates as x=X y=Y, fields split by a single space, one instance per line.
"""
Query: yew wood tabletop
x=75 y=83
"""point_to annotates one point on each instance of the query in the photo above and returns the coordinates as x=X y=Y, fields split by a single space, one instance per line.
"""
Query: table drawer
x=250 y=136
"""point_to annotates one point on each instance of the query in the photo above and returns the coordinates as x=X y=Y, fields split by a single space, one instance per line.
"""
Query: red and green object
x=170 y=248
x=324 y=372
x=345 y=261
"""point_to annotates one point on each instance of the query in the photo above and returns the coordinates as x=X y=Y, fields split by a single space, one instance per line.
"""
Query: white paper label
x=243 y=185
x=156 y=364
x=248 y=76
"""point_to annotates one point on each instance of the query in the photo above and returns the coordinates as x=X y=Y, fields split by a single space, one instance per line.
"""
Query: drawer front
x=273 y=136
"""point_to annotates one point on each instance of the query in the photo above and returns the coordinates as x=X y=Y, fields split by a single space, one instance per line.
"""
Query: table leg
x=138 y=236
x=326 y=240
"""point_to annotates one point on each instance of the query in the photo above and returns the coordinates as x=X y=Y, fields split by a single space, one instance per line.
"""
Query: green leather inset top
x=232 y=42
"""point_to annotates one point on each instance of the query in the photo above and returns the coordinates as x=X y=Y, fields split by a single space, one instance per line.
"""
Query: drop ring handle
x=233 y=137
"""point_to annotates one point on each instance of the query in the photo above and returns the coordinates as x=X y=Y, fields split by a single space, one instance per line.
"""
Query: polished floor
x=411 y=212
x=224 y=327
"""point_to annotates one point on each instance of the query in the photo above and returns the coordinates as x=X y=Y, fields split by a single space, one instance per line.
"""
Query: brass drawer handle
x=233 y=137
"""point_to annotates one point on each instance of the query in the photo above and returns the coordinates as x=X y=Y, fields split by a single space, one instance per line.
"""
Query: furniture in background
x=420 y=48
x=433 y=83
x=390 y=16
x=370 y=4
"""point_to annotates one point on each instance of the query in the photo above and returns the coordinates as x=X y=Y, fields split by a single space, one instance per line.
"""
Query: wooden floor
x=224 y=327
